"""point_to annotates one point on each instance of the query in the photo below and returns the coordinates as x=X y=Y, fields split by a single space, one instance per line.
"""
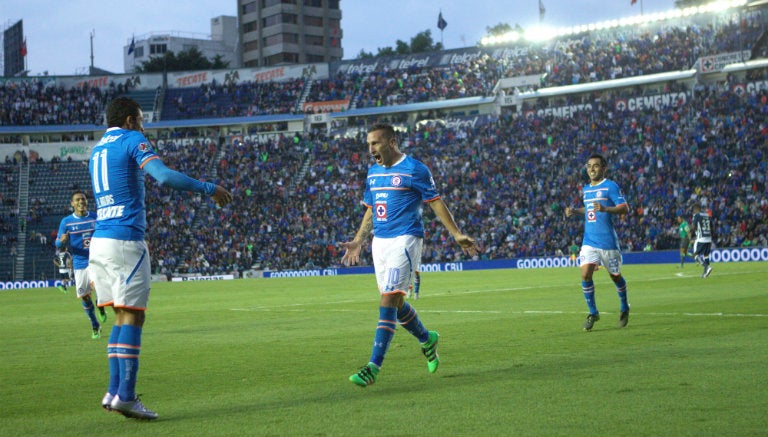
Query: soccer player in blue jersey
x=74 y=236
x=396 y=187
x=702 y=246
x=119 y=263
x=600 y=245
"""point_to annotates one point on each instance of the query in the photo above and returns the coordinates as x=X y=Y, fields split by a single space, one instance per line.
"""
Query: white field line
x=300 y=307
x=528 y=312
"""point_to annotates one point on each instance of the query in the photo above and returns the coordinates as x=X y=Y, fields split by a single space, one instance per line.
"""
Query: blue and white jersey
x=80 y=230
x=598 y=226
x=703 y=224
x=396 y=194
x=118 y=183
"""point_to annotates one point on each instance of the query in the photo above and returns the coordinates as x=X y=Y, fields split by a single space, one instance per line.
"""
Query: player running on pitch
x=600 y=246
x=74 y=236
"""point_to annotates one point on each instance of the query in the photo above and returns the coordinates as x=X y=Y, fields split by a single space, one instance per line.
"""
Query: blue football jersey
x=395 y=195
x=118 y=183
x=80 y=230
x=598 y=226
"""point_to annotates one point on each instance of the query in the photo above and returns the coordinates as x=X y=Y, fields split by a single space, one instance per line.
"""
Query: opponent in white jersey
x=119 y=261
x=395 y=189
x=602 y=200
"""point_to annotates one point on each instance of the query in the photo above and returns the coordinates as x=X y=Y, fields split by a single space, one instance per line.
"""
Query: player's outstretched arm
x=352 y=248
x=221 y=196
x=468 y=245
x=181 y=182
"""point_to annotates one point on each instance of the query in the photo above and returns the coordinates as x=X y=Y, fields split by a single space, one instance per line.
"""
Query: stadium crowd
x=588 y=57
x=605 y=55
x=508 y=178
x=246 y=98
x=591 y=57
x=35 y=103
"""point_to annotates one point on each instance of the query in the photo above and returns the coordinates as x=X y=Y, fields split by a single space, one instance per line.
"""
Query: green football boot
x=429 y=348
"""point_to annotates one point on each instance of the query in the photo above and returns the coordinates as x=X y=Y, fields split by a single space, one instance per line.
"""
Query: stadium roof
x=55 y=128
x=167 y=124
x=425 y=106
x=741 y=66
x=223 y=121
x=607 y=84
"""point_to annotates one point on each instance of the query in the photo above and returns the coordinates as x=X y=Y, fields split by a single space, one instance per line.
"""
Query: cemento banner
x=326 y=106
x=203 y=278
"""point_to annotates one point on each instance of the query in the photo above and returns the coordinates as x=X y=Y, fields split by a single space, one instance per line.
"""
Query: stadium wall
x=726 y=255
x=658 y=257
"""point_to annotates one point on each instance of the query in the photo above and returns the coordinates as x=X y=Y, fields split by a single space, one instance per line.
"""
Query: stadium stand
x=147 y=99
x=51 y=185
x=511 y=172
x=9 y=216
x=244 y=99
x=35 y=103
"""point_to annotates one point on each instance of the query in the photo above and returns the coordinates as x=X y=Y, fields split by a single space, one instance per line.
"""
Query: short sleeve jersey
x=703 y=224
x=118 y=184
x=599 y=231
x=80 y=230
x=396 y=194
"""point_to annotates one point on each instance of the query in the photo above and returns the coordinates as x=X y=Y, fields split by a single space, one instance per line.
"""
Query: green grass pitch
x=271 y=357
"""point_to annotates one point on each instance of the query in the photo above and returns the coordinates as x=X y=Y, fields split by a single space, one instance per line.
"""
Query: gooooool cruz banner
x=751 y=254
x=662 y=257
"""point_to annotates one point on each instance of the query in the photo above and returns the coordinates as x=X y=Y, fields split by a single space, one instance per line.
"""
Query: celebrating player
x=395 y=188
x=74 y=236
x=120 y=265
x=600 y=245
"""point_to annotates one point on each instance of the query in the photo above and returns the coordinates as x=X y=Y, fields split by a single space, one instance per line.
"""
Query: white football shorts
x=121 y=272
x=608 y=258
x=82 y=283
x=394 y=260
